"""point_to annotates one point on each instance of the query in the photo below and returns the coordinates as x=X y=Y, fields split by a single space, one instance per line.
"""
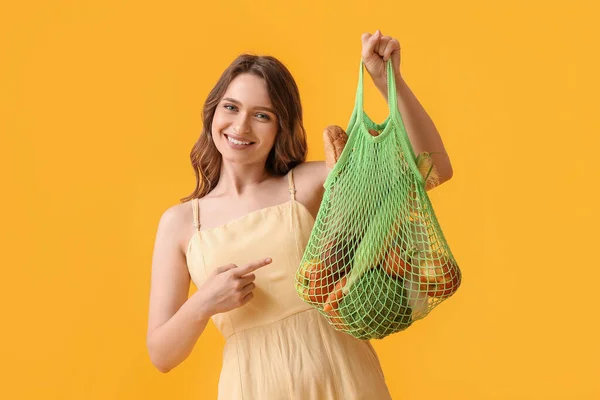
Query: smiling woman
x=240 y=108
x=243 y=124
x=255 y=204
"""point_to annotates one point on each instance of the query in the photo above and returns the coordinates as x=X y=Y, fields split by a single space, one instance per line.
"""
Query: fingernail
x=268 y=260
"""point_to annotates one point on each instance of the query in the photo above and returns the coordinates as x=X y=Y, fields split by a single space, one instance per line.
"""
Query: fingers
x=391 y=46
x=246 y=279
x=364 y=38
x=247 y=298
x=251 y=267
x=384 y=46
x=224 y=268
x=370 y=43
x=373 y=43
x=248 y=288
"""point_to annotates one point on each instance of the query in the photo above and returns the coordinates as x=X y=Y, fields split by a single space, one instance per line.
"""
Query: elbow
x=158 y=363
x=444 y=174
x=448 y=174
x=157 y=360
x=163 y=368
x=445 y=170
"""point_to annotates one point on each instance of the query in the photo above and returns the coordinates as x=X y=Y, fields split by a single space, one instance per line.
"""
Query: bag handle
x=391 y=86
x=394 y=120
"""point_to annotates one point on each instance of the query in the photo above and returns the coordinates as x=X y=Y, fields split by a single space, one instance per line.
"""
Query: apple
x=440 y=276
x=448 y=280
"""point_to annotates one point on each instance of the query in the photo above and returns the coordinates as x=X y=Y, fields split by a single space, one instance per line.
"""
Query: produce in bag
x=376 y=260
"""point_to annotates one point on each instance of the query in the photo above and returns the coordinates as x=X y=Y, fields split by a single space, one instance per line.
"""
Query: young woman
x=241 y=234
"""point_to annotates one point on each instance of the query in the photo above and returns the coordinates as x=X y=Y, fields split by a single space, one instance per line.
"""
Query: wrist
x=199 y=307
x=399 y=79
x=381 y=84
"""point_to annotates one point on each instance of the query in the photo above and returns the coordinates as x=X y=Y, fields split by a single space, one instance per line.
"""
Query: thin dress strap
x=291 y=182
x=196 y=210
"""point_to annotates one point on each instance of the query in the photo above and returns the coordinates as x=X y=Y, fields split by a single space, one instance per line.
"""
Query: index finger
x=369 y=43
x=252 y=266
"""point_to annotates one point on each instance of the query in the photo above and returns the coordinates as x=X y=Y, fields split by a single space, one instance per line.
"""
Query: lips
x=238 y=139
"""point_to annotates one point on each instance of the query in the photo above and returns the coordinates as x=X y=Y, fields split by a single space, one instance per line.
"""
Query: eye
x=263 y=116
x=230 y=107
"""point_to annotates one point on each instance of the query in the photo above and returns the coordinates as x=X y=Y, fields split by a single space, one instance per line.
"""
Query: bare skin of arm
x=176 y=322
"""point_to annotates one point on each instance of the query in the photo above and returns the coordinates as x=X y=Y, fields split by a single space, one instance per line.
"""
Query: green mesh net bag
x=377 y=259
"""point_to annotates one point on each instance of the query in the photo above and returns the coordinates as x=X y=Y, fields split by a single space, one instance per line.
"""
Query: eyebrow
x=257 y=108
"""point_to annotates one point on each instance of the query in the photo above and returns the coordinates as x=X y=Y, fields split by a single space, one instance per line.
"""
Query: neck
x=237 y=179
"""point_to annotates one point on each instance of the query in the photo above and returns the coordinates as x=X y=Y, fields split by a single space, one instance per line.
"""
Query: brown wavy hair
x=290 y=146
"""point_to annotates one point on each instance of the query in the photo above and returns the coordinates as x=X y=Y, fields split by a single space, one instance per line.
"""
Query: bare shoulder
x=176 y=223
x=309 y=178
x=313 y=173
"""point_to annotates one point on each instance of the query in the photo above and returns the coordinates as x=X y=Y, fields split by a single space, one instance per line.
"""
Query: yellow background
x=100 y=104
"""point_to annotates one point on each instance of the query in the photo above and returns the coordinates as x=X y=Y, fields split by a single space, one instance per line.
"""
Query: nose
x=241 y=124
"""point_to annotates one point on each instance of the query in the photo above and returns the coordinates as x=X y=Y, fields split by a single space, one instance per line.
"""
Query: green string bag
x=376 y=260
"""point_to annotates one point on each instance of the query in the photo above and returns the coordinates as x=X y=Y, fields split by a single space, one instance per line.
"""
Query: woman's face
x=244 y=126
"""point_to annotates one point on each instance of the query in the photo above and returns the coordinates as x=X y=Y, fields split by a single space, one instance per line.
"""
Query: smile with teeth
x=238 y=142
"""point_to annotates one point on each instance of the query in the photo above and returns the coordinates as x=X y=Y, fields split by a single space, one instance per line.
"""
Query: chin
x=234 y=157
